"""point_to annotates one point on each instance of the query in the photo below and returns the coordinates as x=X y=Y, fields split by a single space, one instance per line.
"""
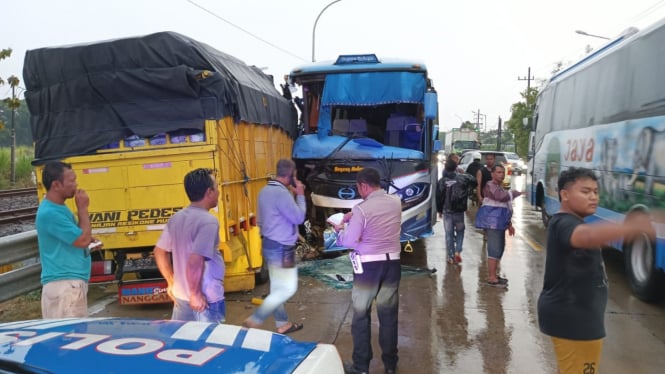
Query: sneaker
x=502 y=279
x=451 y=260
x=458 y=258
x=497 y=284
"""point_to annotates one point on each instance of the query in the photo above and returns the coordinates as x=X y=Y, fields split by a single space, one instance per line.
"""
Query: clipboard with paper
x=329 y=234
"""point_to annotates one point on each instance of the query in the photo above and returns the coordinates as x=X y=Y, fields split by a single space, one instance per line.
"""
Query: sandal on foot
x=496 y=283
x=294 y=327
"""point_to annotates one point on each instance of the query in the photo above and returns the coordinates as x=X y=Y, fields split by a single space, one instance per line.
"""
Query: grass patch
x=23 y=167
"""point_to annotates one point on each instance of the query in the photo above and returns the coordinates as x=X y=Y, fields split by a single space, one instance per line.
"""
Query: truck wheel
x=261 y=277
x=640 y=263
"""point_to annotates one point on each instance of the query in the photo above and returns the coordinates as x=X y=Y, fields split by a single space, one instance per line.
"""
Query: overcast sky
x=475 y=50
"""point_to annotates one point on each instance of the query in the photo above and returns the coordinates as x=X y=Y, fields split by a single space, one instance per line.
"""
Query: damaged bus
x=358 y=112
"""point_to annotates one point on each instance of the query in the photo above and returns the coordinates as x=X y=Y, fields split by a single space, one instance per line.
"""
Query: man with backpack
x=452 y=193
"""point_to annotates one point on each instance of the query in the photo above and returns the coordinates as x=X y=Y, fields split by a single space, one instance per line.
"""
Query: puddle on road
x=337 y=272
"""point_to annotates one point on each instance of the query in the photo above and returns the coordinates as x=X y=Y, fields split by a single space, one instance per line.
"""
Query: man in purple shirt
x=373 y=231
x=279 y=215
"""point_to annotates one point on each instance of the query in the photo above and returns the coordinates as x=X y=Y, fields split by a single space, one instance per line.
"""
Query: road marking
x=532 y=243
x=96 y=308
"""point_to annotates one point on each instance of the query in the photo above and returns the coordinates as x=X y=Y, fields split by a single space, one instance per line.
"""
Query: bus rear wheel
x=640 y=263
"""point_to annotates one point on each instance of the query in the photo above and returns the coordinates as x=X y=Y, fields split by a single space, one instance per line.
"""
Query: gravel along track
x=16 y=202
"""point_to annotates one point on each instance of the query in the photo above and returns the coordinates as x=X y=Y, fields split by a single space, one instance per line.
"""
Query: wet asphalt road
x=450 y=321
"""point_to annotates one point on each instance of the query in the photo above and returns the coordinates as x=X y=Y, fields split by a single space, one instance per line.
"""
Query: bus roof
x=358 y=63
x=609 y=46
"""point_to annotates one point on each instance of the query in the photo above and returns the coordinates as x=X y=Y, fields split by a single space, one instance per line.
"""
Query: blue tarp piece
x=311 y=147
x=365 y=89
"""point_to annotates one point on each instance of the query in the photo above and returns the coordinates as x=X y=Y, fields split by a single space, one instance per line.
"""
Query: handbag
x=493 y=217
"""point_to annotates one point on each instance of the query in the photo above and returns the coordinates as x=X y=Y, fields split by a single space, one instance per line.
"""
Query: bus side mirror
x=431 y=105
x=437 y=146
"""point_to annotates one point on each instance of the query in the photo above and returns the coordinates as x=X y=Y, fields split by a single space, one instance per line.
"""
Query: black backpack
x=455 y=193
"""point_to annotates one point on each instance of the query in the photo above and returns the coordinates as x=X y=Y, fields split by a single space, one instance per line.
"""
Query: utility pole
x=13 y=141
x=498 y=136
x=13 y=105
x=528 y=79
x=477 y=115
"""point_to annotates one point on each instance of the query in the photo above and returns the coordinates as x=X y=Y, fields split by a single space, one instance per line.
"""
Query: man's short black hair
x=197 y=182
x=571 y=175
x=54 y=171
x=450 y=165
x=369 y=176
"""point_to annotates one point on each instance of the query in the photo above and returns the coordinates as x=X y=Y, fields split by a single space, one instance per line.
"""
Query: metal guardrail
x=14 y=249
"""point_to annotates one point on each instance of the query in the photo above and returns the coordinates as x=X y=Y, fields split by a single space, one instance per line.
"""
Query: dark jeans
x=380 y=281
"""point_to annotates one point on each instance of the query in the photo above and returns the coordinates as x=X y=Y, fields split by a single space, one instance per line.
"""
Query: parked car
x=120 y=345
x=500 y=158
x=518 y=165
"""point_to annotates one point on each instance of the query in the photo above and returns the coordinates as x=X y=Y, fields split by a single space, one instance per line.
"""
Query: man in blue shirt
x=63 y=244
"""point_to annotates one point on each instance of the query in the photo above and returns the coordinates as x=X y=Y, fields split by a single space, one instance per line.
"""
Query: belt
x=380 y=257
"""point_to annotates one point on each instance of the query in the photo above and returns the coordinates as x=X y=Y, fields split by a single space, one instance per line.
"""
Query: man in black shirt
x=484 y=175
x=472 y=170
x=571 y=306
x=452 y=194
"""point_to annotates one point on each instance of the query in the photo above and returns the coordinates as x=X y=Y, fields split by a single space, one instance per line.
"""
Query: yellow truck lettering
x=154 y=216
x=143 y=214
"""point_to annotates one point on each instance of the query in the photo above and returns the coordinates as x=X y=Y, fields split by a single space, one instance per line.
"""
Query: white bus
x=607 y=113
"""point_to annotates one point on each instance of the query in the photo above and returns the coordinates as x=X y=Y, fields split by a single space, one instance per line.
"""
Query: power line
x=654 y=7
x=246 y=31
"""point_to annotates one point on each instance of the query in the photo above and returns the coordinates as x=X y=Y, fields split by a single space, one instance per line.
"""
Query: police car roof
x=160 y=346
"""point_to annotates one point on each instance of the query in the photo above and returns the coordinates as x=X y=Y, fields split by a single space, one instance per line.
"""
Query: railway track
x=17 y=205
x=18 y=215
x=18 y=192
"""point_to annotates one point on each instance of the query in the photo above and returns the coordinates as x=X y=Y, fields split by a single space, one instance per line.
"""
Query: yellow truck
x=133 y=116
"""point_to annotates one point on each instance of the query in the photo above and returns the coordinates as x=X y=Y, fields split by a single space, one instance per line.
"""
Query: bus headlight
x=413 y=194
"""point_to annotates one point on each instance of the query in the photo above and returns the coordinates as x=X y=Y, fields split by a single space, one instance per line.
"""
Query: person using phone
x=278 y=217
x=63 y=244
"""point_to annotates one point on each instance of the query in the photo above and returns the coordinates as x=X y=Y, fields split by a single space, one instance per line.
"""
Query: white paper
x=336 y=219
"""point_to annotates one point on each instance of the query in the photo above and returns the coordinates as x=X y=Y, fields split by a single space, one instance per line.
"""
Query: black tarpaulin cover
x=83 y=97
